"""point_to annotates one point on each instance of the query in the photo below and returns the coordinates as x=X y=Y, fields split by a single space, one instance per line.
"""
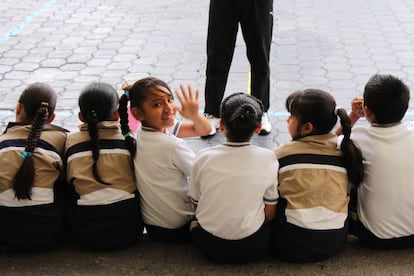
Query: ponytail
x=130 y=142
x=352 y=155
x=92 y=121
x=24 y=178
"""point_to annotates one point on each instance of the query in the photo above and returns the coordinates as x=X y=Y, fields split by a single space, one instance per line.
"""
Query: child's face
x=158 y=110
x=293 y=125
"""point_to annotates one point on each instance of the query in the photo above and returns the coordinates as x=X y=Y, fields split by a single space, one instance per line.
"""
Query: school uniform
x=103 y=216
x=162 y=165
x=230 y=184
x=384 y=199
x=36 y=223
x=312 y=211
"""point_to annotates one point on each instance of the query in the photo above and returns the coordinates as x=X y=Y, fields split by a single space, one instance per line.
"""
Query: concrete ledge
x=150 y=258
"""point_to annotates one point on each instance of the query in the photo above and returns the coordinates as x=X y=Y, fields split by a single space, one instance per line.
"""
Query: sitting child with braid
x=314 y=179
x=163 y=161
x=105 y=212
x=31 y=149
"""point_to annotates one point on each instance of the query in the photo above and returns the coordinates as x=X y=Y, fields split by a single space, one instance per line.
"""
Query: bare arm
x=270 y=212
x=199 y=126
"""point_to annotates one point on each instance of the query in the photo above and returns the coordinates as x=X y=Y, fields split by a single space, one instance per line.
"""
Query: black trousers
x=166 y=235
x=101 y=227
x=31 y=228
x=256 y=21
x=240 y=251
x=296 y=244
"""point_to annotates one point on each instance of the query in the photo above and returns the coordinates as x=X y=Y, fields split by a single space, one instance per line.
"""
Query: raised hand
x=357 y=107
x=189 y=102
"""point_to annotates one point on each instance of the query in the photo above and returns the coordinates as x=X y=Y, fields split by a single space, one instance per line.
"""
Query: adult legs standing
x=256 y=20
x=221 y=40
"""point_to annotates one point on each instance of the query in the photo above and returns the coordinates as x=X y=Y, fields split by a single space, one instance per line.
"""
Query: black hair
x=136 y=94
x=35 y=94
x=319 y=108
x=241 y=114
x=38 y=101
x=314 y=106
x=98 y=102
x=387 y=97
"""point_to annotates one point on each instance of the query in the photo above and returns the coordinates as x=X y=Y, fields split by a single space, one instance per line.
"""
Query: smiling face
x=158 y=110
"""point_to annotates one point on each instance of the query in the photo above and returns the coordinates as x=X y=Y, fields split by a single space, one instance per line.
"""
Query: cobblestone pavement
x=330 y=44
x=333 y=45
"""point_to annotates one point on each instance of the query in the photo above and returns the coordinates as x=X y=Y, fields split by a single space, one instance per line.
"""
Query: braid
x=93 y=133
x=352 y=155
x=24 y=178
x=130 y=142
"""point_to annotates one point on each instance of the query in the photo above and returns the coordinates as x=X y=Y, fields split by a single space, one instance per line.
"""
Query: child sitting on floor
x=234 y=187
x=163 y=161
x=31 y=150
x=105 y=213
x=312 y=212
x=384 y=201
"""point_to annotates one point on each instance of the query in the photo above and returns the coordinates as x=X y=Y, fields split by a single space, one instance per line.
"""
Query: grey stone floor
x=333 y=45
x=330 y=44
x=150 y=258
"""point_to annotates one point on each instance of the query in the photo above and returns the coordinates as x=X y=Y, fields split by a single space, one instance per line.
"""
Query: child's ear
x=258 y=128
x=307 y=129
x=19 y=107
x=81 y=117
x=137 y=113
x=116 y=116
x=369 y=115
x=51 y=118
x=19 y=112
x=221 y=125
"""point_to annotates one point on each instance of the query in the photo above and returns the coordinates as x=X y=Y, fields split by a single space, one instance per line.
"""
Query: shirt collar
x=236 y=144
x=385 y=125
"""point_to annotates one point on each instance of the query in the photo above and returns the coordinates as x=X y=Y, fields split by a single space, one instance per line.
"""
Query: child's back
x=233 y=178
x=314 y=177
x=162 y=165
x=234 y=187
x=31 y=153
x=105 y=211
x=384 y=199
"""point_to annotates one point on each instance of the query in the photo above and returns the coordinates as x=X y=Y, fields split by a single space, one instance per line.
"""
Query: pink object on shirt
x=132 y=122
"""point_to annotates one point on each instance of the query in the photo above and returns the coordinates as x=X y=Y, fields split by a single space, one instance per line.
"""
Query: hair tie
x=336 y=110
x=126 y=92
x=128 y=134
x=26 y=154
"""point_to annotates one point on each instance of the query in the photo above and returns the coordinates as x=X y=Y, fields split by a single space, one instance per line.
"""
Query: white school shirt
x=385 y=198
x=230 y=184
x=163 y=164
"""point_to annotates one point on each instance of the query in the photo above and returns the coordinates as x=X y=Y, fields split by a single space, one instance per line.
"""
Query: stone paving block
x=323 y=44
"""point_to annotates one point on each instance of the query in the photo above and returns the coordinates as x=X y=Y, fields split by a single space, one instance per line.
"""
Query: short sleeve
x=175 y=128
x=271 y=194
